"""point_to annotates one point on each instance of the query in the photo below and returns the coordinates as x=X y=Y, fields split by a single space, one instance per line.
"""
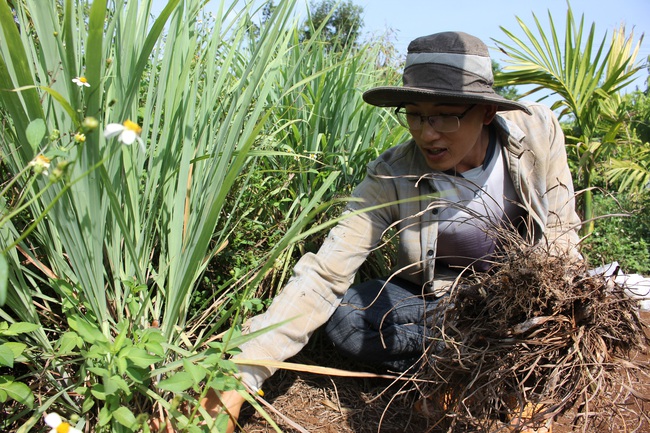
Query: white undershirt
x=484 y=197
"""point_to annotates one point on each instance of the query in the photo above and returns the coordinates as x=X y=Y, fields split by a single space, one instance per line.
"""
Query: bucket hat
x=447 y=67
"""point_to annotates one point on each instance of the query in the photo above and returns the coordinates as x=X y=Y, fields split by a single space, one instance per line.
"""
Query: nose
x=427 y=132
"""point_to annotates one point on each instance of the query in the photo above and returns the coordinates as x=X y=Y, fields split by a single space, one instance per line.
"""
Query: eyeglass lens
x=440 y=123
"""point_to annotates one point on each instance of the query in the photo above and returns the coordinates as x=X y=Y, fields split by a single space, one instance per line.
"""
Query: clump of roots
x=535 y=338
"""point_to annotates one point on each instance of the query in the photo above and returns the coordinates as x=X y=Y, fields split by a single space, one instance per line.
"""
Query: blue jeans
x=384 y=323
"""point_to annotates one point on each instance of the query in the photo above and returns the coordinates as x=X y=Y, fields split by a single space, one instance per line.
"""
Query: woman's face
x=462 y=149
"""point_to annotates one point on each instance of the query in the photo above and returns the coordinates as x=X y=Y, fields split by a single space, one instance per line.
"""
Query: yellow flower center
x=83 y=79
x=42 y=160
x=64 y=427
x=132 y=126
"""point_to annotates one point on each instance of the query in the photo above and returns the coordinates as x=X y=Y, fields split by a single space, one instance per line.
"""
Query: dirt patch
x=327 y=404
x=306 y=402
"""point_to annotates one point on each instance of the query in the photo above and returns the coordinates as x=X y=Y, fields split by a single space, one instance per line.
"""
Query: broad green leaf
x=97 y=351
x=89 y=332
x=89 y=401
x=155 y=348
x=179 y=382
x=17 y=391
x=222 y=383
x=125 y=417
x=21 y=328
x=16 y=348
x=139 y=357
x=98 y=391
x=105 y=416
x=152 y=334
x=121 y=384
x=35 y=132
x=137 y=374
x=6 y=356
x=68 y=342
x=99 y=371
x=88 y=404
x=120 y=340
x=197 y=372
x=122 y=364
x=110 y=385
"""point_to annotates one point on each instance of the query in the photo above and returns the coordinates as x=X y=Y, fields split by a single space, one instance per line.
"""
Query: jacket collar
x=509 y=133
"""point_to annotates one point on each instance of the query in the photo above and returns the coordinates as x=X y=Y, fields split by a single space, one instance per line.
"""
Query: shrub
x=622 y=233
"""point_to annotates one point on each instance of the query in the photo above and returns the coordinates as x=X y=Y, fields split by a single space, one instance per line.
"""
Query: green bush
x=621 y=234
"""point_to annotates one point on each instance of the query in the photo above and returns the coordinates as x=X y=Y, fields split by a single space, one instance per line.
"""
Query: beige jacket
x=398 y=193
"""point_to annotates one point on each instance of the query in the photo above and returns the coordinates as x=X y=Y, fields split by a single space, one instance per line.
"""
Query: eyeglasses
x=440 y=123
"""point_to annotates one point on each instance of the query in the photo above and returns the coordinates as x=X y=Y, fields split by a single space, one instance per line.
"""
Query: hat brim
x=392 y=96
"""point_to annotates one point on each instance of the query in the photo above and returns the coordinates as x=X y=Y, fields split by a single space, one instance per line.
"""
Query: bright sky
x=409 y=19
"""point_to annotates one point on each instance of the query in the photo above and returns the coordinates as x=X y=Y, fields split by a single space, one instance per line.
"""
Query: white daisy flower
x=126 y=132
x=81 y=81
x=41 y=164
x=58 y=426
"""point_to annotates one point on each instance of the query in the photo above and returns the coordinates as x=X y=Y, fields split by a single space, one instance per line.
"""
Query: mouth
x=437 y=151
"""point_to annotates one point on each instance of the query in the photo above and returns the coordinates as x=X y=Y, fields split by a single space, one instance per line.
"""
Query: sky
x=409 y=19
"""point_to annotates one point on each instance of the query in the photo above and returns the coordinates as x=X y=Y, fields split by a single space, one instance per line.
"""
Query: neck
x=477 y=156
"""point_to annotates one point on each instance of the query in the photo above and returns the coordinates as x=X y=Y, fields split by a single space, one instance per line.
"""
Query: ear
x=490 y=112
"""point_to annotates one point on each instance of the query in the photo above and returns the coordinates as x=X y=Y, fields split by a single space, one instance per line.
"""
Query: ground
x=300 y=402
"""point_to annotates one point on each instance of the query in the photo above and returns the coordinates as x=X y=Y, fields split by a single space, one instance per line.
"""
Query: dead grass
x=535 y=339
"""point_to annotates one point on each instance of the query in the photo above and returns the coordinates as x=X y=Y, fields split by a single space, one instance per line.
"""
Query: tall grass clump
x=129 y=143
x=326 y=128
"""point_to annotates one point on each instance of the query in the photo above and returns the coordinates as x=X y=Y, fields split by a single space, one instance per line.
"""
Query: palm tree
x=586 y=77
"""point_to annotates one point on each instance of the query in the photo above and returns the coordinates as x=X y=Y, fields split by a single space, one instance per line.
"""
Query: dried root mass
x=536 y=338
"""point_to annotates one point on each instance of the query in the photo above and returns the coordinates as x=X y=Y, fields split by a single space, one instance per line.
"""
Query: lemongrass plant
x=331 y=128
x=153 y=121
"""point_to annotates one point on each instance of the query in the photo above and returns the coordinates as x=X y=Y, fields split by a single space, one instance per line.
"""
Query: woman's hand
x=215 y=403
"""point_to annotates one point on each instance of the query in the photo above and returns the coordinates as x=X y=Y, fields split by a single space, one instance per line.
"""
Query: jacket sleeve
x=318 y=281
x=562 y=221
x=545 y=180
